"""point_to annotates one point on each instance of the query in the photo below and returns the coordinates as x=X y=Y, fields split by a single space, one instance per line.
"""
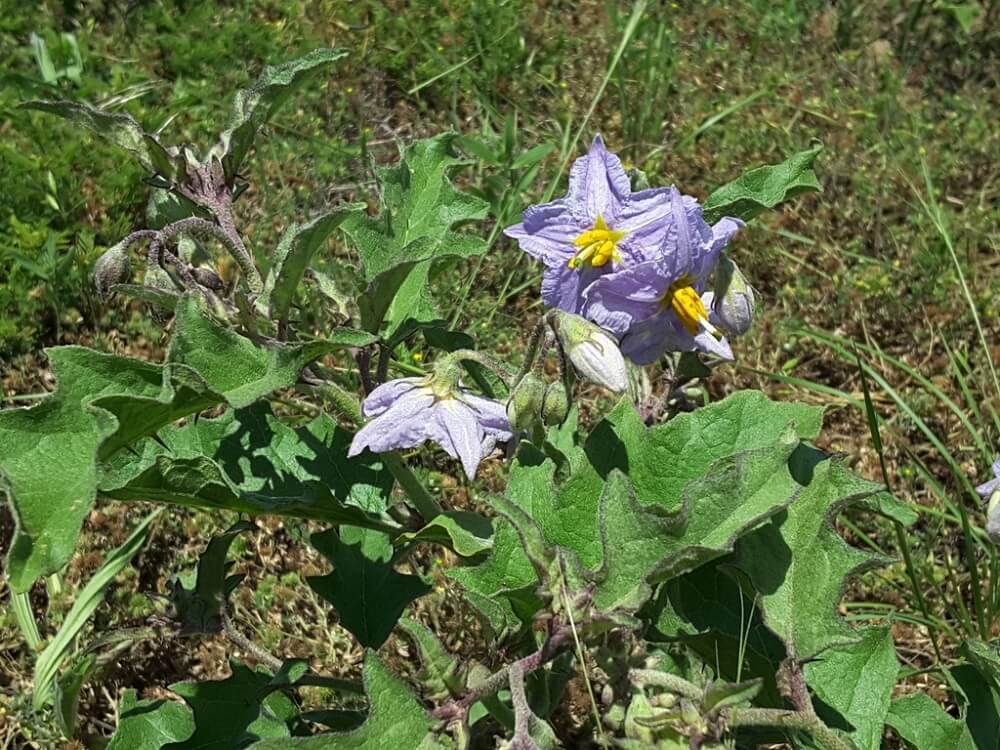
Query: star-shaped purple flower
x=600 y=225
x=405 y=413
x=660 y=304
x=987 y=489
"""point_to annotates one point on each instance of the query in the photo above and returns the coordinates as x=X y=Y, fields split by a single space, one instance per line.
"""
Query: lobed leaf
x=117 y=128
x=764 y=187
x=419 y=208
x=464 y=532
x=395 y=720
x=253 y=107
x=367 y=592
x=799 y=563
x=857 y=681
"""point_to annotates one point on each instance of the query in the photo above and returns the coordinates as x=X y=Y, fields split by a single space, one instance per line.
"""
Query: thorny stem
x=470 y=355
x=825 y=737
x=673 y=683
x=269 y=660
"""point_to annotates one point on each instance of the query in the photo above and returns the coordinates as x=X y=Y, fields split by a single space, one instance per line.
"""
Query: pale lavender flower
x=599 y=226
x=987 y=489
x=660 y=304
x=407 y=412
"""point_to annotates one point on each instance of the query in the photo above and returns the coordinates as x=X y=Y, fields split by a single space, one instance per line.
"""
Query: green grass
x=890 y=278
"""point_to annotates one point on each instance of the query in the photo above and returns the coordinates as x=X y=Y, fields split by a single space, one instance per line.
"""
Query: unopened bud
x=592 y=350
x=524 y=407
x=207 y=278
x=993 y=517
x=734 y=300
x=112 y=268
x=555 y=404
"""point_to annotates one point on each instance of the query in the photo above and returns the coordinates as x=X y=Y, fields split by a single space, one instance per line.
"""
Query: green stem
x=421 y=498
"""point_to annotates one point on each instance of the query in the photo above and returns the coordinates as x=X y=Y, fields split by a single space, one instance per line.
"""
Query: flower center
x=597 y=245
x=686 y=303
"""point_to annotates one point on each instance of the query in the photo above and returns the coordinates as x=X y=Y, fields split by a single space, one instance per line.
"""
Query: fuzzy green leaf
x=367 y=592
x=237 y=367
x=765 y=187
x=117 y=128
x=439 y=675
x=396 y=720
x=414 y=227
x=253 y=107
x=799 y=563
x=919 y=720
x=466 y=533
x=292 y=257
x=228 y=713
x=150 y=725
x=857 y=680
x=250 y=461
x=49 y=453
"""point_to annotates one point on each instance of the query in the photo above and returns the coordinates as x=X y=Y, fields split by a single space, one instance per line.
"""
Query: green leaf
x=965 y=14
x=414 y=227
x=985 y=657
x=150 y=725
x=857 y=681
x=396 y=720
x=237 y=367
x=152 y=295
x=87 y=600
x=720 y=695
x=466 y=533
x=292 y=257
x=67 y=691
x=765 y=187
x=199 y=608
x=694 y=485
x=982 y=705
x=919 y=720
x=48 y=453
x=228 y=713
x=255 y=106
x=367 y=592
x=800 y=564
x=248 y=460
x=439 y=675
x=120 y=129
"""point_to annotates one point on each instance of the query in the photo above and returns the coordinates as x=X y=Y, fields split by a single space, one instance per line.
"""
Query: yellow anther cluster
x=597 y=245
x=687 y=305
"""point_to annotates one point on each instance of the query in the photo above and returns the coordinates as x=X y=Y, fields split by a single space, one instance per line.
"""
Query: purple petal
x=563 y=287
x=646 y=216
x=405 y=424
x=987 y=489
x=723 y=231
x=547 y=233
x=463 y=437
x=648 y=339
x=706 y=342
x=618 y=300
x=387 y=394
x=491 y=415
x=598 y=184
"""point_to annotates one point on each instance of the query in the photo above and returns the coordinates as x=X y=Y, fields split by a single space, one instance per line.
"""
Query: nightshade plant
x=679 y=563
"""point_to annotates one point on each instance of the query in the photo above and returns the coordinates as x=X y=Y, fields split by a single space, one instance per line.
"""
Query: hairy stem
x=825 y=737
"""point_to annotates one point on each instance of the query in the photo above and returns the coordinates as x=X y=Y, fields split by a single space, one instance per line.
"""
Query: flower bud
x=993 y=517
x=207 y=278
x=734 y=299
x=592 y=350
x=112 y=268
x=555 y=404
x=524 y=407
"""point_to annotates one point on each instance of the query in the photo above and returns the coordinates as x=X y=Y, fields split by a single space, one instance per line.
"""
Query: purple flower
x=660 y=304
x=987 y=489
x=600 y=225
x=405 y=413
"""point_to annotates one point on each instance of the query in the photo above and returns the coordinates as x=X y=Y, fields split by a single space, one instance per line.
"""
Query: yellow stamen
x=597 y=245
x=686 y=303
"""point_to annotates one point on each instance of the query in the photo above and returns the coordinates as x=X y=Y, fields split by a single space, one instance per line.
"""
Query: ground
x=887 y=264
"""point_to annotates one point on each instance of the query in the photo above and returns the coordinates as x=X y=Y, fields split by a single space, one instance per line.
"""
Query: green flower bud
x=112 y=268
x=592 y=350
x=524 y=408
x=734 y=299
x=555 y=404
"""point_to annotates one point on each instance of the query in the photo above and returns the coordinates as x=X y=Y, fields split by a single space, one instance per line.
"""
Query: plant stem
x=774 y=717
